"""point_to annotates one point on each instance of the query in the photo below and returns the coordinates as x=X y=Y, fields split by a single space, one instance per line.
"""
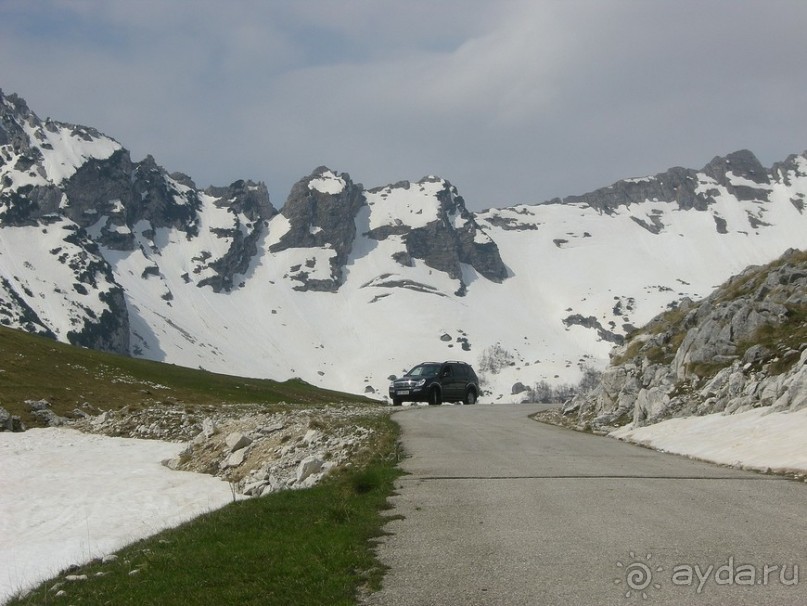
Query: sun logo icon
x=638 y=576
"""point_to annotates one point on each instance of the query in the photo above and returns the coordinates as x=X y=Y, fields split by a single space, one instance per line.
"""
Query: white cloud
x=512 y=101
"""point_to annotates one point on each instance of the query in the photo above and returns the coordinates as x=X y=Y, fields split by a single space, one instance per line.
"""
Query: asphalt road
x=500 y=509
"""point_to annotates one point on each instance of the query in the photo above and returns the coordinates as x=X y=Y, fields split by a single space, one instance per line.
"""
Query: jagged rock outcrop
x=743 y=347
x=455 y=238
x=249 y=204
x=442 y=233
x=321 y=211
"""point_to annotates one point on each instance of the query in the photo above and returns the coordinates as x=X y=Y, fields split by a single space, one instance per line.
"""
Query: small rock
x=308 y=466
x=34 y=405
x=103 y=418
x=5 y=420
x=269 y=429
x=237 y=441
x=173 y=463
x=235 y=459
x=208 y=427
x=76 y=577
x=311 y=436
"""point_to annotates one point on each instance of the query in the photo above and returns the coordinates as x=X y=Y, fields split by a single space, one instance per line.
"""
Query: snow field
x=68 y=497
x=757 y=439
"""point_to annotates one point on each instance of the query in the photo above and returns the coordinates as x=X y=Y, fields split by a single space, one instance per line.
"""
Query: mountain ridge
x=344 y=286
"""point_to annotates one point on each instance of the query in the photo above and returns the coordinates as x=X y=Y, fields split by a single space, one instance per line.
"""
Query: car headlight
x=420 y=383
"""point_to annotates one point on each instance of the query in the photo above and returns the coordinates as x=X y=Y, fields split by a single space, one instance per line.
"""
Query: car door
x=450 y=382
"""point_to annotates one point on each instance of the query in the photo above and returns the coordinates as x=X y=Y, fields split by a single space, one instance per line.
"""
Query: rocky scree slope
x=257 y=452
x=743 y=347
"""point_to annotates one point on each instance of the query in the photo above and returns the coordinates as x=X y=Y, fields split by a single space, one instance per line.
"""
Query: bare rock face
x=455 y=238
x=743 y=347
x=249 y=204
x=321 y=210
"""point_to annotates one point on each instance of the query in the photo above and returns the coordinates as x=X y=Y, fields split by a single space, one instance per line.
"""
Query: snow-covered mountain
x=344 y=285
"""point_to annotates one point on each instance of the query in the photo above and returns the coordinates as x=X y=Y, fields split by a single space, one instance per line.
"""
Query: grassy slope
x=299 y=547
x=784 y=339
x=33 y=368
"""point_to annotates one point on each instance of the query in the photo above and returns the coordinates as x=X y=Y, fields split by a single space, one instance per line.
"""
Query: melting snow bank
x=68 y=497
x=757 y=439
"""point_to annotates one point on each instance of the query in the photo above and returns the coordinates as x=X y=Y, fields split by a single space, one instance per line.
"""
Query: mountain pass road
x=496 y=508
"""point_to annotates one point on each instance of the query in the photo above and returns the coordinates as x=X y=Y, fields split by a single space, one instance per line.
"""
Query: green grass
x=752 y=280
x=301 y=547
x=311 y=546
x=784 y=340
x=34 y=368
x=669 y=321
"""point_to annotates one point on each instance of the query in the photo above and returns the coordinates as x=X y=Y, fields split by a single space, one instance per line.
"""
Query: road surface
x=499 y=509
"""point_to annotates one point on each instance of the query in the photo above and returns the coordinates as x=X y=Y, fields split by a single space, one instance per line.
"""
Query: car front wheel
x=434 y=397
x=470 y=397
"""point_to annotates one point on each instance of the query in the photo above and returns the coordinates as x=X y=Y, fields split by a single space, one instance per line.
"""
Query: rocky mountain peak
x=455 y=238
x=740 y=173
x=321 y=211
x=794 y=167
x=742 y=163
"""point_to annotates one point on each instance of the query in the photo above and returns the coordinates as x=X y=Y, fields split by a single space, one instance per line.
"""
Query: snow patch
x=757 y=439
x=328 y=183
x=69 y=497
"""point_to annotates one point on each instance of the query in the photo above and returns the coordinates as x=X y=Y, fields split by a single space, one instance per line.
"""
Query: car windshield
x=424 y=370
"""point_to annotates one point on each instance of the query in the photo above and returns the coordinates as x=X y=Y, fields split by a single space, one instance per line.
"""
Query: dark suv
x=435 y=383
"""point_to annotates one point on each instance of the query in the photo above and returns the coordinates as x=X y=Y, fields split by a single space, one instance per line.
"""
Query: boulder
x=308 y=466
x=9 y=422
x=236 y=458
x=236 y=441
x=37 y=405
x=208 y=427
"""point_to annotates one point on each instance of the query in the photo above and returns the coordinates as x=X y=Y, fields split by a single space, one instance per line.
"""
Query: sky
x=513 y=101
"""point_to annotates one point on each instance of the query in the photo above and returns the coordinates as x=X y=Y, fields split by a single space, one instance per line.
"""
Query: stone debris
x=236 y=441
x=256 y=452
x=9 y=422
